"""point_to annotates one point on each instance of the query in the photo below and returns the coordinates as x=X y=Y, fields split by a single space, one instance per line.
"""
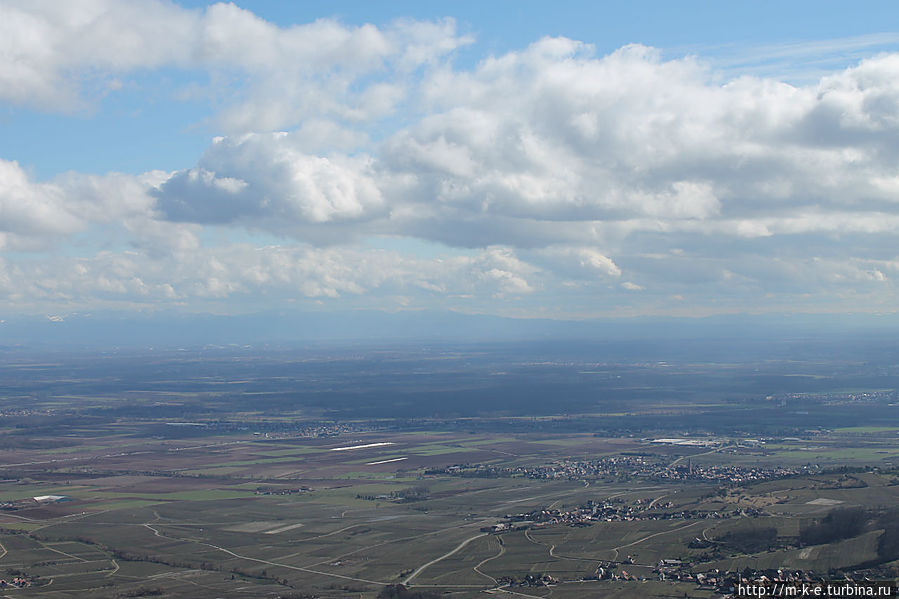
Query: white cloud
x=265 y=275
x=578 y=262
x=34 y=214
x=58 y=56
x=553 y=133
x=29 y=208
x=544 y=171
x=47 y=48
x=552 y=145
x=265 y=180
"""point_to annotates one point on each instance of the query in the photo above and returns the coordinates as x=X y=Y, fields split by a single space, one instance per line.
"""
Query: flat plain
x=167 y=486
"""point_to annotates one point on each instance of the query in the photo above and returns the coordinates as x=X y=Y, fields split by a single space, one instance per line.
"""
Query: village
x=625 y=467
x=612 y=510
x=18 y=582
x=724 y=583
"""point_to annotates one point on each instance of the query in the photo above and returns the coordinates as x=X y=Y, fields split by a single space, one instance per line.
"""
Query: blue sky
x=565 y=160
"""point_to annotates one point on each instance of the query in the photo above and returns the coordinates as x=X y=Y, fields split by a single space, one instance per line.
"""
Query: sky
x=566 y=160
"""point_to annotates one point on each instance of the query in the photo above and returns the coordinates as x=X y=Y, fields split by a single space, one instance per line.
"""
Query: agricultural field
x=241 y=515
x=226 y=476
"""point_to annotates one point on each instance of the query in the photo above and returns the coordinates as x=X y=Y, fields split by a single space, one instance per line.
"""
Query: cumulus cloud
x=27 y=207
x=579 y=262
x=540 y=171
x=61 y=56
x=246 y=277
x=48 y=49
x=553 y=145
x=266 y=179
x=34 y=214
x=556 y=134
x=274 y=274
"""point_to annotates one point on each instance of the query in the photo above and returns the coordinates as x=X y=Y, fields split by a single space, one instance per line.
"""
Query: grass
x=196 y=495
x=294 y=451
x=25 y=492
x=437 y=450
x=20 y=525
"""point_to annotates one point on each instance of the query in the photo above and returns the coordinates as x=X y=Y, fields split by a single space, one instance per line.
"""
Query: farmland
x=160 y=484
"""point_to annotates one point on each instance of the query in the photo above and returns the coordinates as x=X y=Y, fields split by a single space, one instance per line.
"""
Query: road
x=458 y=548
x=502 y=550
x=684 y=457
x=658 y=534
x=263 y=561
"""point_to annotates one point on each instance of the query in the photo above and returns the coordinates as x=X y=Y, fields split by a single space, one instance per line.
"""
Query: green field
x=245 y=517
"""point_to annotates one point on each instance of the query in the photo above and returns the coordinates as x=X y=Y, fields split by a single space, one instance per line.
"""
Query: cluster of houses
x=317 y=431
x=281 y=491
x=529 y=580
x=836 y=397
x=17 y=582
x=610 y=510
x=724 y=583
x=30 y=502
x=627 y=466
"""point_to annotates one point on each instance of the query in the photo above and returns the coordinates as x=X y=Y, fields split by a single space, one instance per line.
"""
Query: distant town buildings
x=628 y=466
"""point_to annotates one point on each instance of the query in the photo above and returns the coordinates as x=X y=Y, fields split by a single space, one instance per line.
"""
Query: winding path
x=502 y=550
x=458 y=548
x=658 y=534
x=263 y=561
